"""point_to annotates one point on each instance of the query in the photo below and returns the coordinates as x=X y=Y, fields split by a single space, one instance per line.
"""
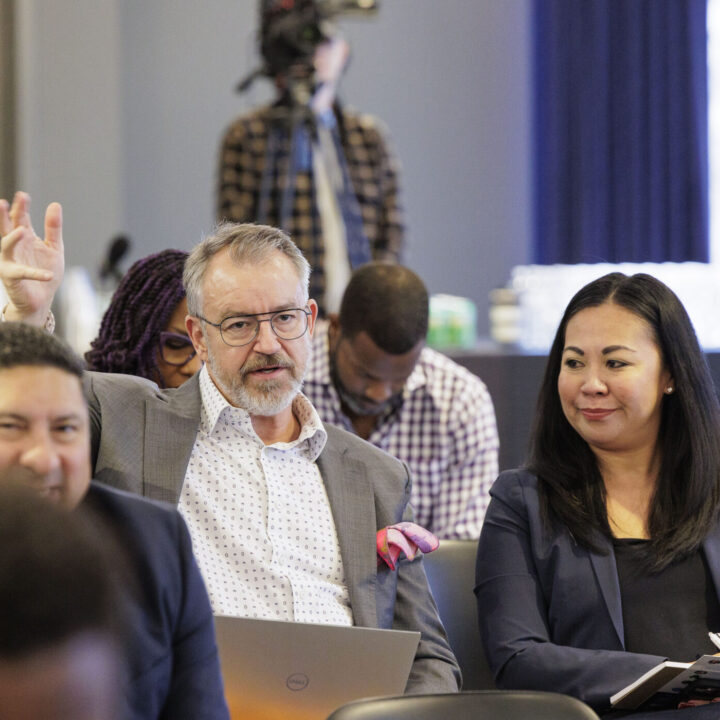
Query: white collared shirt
x=260 y=520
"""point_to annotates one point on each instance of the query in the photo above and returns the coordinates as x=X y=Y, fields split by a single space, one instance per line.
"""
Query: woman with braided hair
x=143 y=330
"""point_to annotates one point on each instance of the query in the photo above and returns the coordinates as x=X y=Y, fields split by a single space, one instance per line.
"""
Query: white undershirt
x=328 y=177
x=260 y=520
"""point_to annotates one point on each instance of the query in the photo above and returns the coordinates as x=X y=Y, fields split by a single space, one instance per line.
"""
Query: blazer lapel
x=607 y=577
x=606 y=573
x=171 y=424
x=711 y=546
x=353 y=507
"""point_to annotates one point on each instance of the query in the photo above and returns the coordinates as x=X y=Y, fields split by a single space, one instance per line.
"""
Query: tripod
x=285 y=120
x=342 y=234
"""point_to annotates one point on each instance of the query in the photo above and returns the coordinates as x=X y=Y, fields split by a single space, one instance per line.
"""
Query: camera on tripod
x=292 y=29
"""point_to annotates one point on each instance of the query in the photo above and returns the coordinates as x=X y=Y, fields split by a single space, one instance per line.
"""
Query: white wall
x=122 y=104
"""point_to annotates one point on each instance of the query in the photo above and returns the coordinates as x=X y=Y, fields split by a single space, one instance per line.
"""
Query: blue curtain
x=620 y=131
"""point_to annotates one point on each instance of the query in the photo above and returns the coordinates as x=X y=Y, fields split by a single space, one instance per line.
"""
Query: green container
x=453 y=322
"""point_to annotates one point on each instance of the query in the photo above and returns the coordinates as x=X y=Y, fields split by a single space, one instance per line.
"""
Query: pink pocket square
x=404 y=537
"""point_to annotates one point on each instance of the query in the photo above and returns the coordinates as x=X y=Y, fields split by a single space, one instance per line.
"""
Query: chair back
x=483 y=705
x=451 y=575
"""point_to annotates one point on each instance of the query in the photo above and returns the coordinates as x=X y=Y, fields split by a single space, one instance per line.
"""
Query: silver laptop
x=276 y=670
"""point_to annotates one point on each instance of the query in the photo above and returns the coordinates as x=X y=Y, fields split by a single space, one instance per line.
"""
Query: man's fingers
x=20 y=210
x=10 y=240
x=53 y=232
x=11 y=271
x=53 y=225
x=5 y=224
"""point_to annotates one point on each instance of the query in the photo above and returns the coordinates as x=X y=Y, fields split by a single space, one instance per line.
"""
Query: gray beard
x=270 y=398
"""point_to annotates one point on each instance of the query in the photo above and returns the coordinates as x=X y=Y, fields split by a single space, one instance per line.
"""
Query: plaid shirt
x=373 y=172
x=445 y=431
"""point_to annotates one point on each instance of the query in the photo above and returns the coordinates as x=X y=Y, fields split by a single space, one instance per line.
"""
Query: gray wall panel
x=123 y=103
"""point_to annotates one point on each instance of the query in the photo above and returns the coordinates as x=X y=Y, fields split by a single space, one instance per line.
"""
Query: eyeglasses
x=176 y=349
x=239 y=330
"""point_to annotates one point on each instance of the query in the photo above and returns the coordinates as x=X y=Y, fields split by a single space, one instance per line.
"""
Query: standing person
x=284 y=511
x=601 y=559
x=173 y=671
x=143 y=329
x=370 y=373
x=306 y=164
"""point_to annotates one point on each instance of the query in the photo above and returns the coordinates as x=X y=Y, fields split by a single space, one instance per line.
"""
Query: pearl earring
x=669 y=389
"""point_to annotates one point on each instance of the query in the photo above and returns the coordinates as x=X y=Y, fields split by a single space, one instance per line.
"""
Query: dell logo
x=297 y=681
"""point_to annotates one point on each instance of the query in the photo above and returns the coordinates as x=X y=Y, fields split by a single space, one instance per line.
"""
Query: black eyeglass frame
x=191 y=349
x=272 y=315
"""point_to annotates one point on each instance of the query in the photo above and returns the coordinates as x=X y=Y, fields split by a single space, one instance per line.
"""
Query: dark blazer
x=173 y=666
x=549 y=610
x=142 y=438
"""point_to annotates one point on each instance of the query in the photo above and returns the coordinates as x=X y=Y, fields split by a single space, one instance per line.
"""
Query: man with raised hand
x=284 y=511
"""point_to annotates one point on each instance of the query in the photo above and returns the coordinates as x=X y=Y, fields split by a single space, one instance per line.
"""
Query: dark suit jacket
x=549 y=610
x=173 y=666
x=142 y=438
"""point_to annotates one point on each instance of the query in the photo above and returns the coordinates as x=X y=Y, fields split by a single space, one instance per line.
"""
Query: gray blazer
x=142 y=438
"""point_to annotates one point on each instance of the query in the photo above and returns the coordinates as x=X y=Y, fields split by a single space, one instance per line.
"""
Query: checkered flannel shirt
x=372 y=168
x=445 y=431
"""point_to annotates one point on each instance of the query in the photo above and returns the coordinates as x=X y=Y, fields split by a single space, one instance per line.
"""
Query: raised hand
x=31 y=269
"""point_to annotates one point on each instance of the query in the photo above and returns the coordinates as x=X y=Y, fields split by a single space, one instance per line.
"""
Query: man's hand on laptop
x=31 y=269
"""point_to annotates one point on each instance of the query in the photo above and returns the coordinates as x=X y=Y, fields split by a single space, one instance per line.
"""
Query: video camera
x=292 y=29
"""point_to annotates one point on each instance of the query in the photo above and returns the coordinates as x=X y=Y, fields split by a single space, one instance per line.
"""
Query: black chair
x=484 y=705
x=451 y=574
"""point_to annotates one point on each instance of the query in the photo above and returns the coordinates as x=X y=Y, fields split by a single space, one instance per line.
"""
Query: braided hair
x=139 y=311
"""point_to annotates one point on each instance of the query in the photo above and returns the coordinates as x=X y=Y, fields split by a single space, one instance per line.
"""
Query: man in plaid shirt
x=370 y=373
x=343 y=206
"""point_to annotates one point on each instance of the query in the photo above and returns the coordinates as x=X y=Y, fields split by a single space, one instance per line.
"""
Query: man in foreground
x=283 y=510
x=370 y=373
x=172 y=663
x=60 y=658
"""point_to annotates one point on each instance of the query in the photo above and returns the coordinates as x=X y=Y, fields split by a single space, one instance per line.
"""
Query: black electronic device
x=290 y=30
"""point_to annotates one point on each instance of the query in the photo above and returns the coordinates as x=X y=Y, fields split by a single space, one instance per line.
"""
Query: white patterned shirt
x=445 y=430
x=259 y=517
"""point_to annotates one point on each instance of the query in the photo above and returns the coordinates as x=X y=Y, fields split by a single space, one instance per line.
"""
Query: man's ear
x=196 y=333
x=312 y=318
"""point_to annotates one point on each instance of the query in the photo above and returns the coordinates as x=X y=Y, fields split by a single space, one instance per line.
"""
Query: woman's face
x=612 y=380
x=174 y=348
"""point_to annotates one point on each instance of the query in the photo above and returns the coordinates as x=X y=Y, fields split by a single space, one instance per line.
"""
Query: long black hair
x=685 y=503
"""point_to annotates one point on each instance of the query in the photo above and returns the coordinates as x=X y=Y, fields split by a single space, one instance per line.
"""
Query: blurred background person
x=172 y=659
x=143 y=330
x=306 y=164
x=601 y=558
x=370 y=373
x=60 y=622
